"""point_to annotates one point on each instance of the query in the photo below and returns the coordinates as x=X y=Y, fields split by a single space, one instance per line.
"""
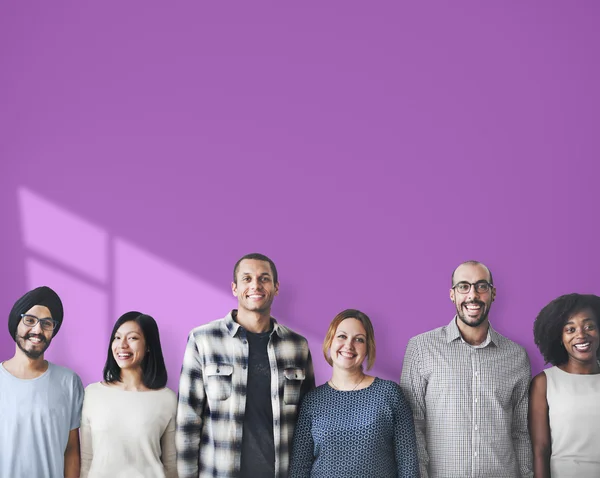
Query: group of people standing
x=248 y=407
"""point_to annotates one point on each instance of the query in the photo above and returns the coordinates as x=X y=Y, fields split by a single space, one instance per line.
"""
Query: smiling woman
x=566 y=332
x=128 y=421
x=355 y=424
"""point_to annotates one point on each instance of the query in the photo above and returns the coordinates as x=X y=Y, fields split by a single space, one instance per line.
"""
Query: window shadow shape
x=100 y=276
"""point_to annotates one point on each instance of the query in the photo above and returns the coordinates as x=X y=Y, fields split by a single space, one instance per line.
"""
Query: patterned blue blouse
x=355 y=434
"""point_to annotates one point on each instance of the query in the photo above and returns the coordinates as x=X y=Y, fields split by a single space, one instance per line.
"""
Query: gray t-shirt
x=35 y=419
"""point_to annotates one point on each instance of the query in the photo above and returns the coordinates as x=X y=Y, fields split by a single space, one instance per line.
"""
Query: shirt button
x=475 y=454
x=275 y=396
x=476 y=428
x=218 y=370
x=245 y=342
x=477 y=374
x=476 y=400
x=244 y=367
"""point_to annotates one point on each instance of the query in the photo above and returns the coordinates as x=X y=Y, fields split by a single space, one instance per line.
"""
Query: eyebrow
x=344 y=332
x=587 y=319
x=250 y=273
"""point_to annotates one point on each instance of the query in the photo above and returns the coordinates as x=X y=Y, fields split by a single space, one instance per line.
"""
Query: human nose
x=472 y=292
x=37 y=328
x=580 y=332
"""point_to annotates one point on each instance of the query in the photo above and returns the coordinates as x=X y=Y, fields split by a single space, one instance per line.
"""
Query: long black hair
x=154 y=372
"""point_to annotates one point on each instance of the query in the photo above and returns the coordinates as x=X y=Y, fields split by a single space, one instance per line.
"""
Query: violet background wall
x=367 y=147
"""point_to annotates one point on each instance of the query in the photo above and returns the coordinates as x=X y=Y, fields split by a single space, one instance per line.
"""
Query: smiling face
x=255 y=288
x=580 y=337
x=472 y=308
x=129 y=346
x=349 y=345
x=33 y=341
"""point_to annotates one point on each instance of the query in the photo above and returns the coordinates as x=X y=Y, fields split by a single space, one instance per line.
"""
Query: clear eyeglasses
x=32 y=320
x=481 y=287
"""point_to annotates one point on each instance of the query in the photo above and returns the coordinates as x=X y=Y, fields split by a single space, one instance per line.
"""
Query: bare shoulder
x=538 y=384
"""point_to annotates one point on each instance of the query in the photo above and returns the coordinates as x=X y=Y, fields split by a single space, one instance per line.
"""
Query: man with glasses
x=40 y=403
x=468 y=389
x=242 y=380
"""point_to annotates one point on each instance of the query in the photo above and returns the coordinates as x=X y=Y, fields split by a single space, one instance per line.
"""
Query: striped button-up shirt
x=212 y=397
x=469 y=405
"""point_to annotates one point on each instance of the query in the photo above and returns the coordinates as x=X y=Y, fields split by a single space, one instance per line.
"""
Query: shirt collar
x=233 y=327
x=453 y=333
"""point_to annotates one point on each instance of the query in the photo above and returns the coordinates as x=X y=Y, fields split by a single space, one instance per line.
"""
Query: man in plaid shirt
x=242 y=380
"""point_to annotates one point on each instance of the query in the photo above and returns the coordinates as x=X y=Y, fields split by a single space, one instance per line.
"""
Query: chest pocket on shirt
x=291 y=387
x=218 y=380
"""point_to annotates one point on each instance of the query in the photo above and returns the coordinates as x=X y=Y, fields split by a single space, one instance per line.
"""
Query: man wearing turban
x=40 y=402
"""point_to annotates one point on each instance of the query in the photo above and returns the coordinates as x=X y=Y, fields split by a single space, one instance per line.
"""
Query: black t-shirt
x=258 y=446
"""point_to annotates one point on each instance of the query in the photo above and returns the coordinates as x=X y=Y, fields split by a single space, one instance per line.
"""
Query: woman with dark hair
x=128 y=420
x=355 y=425
x=564 y=411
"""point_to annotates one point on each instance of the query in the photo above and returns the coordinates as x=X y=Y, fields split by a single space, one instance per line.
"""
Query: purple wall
x=367 y=148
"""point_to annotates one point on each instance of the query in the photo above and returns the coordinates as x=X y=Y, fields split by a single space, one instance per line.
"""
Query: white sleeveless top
x=574 y=409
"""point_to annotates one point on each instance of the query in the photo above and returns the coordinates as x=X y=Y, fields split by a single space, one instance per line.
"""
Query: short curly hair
x=548 y=325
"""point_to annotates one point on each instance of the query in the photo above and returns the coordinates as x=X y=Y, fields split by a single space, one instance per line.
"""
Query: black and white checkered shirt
x=469 y=405
x=212 y=397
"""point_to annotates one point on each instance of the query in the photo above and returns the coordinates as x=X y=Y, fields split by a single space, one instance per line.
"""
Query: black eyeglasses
x=32 y=320
x=481 y=287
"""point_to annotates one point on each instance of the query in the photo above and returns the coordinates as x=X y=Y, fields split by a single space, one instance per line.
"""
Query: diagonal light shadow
x=100 y=276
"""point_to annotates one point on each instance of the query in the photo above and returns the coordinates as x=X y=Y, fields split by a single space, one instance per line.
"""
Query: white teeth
x=582 y=346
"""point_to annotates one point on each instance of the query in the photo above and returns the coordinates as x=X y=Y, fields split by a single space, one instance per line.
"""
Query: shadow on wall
x=100 y=276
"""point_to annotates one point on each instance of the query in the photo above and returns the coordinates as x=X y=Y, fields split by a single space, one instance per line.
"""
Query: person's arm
x=168 y=453
x=414 y=388
x=301 y=459
x=405 y=441
x=539 y=426
x=72 y=458
x=192 y=396
x=520 y=430
x=72 y=455
x=87 y=452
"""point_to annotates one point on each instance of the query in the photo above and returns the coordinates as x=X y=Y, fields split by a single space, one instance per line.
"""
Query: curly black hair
x=548 y=325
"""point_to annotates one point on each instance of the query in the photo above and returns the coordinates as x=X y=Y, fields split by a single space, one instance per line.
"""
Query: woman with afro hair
x=564 y=401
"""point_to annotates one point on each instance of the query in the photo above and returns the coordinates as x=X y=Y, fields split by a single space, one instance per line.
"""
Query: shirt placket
x=475 y=423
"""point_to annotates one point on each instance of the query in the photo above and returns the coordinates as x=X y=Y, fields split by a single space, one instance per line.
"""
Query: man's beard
x=36 y=353
x=463 y=316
